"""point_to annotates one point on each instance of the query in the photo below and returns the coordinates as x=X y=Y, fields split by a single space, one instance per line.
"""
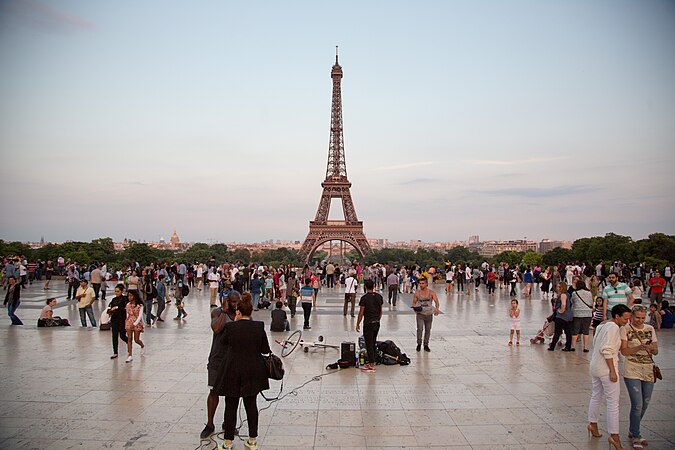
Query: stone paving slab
x=61 y=390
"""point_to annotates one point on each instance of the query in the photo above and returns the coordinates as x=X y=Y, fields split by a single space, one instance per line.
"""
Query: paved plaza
x=60 y=389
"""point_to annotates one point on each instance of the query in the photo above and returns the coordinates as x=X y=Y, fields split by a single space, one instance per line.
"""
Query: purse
x=655 y=368
x=274 y=366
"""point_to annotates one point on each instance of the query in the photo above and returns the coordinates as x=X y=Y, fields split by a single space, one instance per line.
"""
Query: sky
x=500 y=119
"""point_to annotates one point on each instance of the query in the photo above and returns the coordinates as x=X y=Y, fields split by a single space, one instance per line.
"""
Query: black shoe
x=306 y=327
x=426 y=348
x=213 y=306
x=159 y=319
x=566 y=350
x=418 y=348
x=550 y=349
x=207 y=432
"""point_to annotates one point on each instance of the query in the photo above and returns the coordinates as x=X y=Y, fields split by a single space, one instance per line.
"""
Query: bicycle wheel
x=291 y=343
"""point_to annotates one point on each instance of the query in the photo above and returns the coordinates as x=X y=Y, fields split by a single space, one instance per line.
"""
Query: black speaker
x=348 y=352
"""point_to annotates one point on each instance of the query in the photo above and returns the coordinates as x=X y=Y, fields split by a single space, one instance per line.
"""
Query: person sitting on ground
x=47 y=318
x=279 y=319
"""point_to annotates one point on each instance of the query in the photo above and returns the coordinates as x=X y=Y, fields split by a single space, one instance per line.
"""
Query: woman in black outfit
x=243 y=372
x=118 y=314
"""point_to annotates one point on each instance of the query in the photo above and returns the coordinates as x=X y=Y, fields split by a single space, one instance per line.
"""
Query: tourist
x=330 y=275
x=118 y=315
x=563 y=318
x=47 y=318
x=200 y=276
x=668 y=276
x=555 y=279
x=161 y=297
x=657 y=285
x=256 y=285
x=514 y=316
x=637 y=290
x=654 y=316
x=214 y=281
x=491 y=280
x=392 y=288
x=281 y=284
x=350 y=294
x=667 y=316
x=73 y=279
x=449 y=276
x=468 y=272
x=269 y=287
x=616 y=293
x=292 y=293
x=514 y=278
x=178 y=297
x=219 y=317
x=638 y=344
x=598 y=312
x=459 y=277
x=134 y=323
x=423 y=303
x=582 y=310
x=307 y=300
x=370 y=312
x=96 y=279
x=133 y=282
x=85 y=296
x=604 y=369
x=279 y=318
x=243 y=373
x=49 y=271
x=529 y=280
x=13 y=299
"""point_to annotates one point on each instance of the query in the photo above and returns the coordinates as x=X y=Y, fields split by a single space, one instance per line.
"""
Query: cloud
x=37 y=15
x=134 y=183
x=406 y=166
x=529 y=192
x=418 y=181
x=513 y=162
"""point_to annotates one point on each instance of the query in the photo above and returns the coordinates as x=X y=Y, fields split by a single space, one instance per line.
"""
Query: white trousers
x=602 y=386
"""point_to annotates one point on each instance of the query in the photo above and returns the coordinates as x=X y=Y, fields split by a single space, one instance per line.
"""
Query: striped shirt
x=616 y=295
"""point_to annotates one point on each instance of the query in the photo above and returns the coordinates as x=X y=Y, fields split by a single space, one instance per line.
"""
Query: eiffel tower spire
x=337 y=167
x=336 y=185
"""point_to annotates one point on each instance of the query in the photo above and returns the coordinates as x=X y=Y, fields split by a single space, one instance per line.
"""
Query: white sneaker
x=129 y=359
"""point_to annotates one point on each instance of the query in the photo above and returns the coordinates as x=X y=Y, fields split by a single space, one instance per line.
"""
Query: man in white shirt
x=214 y=279
x=85 y=297
x=350 y=293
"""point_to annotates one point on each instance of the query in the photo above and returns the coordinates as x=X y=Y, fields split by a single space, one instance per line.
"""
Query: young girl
x=654 y=317
x=134 y=323
x=597 y=312
x=514 y=314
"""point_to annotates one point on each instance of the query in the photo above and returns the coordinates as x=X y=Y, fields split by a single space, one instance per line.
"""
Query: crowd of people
x=584 y=298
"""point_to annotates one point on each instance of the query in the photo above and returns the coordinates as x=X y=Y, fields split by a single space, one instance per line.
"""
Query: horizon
x=539 y=120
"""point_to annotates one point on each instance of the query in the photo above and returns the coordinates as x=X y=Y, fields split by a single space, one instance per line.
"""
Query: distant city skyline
x=499 y=119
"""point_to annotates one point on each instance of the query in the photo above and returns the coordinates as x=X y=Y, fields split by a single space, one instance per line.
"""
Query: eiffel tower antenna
x=335 y=185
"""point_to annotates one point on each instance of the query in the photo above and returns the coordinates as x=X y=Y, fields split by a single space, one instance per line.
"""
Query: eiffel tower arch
x=336 y=185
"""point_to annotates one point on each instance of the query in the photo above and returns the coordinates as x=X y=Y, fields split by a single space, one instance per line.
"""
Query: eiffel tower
x=336 y=185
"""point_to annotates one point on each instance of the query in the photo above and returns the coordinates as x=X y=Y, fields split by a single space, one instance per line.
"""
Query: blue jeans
x=89 y=311
x=11 y=309
x=148 y=312
x=256 y=298
x=640 y=393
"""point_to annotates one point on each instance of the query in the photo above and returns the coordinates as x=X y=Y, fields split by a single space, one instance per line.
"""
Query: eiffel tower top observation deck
x=335 y=185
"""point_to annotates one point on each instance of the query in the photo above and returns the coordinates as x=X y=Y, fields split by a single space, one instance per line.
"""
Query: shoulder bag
x=657 y=371
x=274 y=366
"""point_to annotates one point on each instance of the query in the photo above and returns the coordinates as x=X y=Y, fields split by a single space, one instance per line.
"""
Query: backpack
x=185 y=290
x=151 y=291
x=391 y=354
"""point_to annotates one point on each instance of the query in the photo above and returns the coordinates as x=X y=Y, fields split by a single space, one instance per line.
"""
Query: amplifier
x=348 y=352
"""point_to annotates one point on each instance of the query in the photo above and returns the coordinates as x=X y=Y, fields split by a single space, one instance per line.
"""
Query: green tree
x=461 y=254
x=142 y=253
x=510 y=257
x=532 y=258
x=556 y=256
x=658 y=245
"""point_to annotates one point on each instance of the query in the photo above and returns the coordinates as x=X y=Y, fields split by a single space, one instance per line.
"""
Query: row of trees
x=657 y=250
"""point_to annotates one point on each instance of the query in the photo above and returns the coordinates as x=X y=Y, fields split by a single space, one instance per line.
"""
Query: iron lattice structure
x=336 y=185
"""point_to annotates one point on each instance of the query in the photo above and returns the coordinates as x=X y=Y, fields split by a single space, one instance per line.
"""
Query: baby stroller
x=545 y=335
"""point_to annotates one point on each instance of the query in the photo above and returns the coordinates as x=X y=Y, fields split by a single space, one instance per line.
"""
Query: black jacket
x=15 y=298
x=243 y=371
x=120 y=314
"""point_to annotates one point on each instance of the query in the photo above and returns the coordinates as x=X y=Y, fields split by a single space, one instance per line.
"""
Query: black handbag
x=274 y=366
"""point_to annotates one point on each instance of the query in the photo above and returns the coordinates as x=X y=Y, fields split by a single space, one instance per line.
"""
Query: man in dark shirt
x=279 y=319
x=370 y=312
x=219 y=317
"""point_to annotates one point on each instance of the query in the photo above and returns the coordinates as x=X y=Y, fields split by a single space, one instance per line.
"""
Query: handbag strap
x=582 y=300
x=640 y=340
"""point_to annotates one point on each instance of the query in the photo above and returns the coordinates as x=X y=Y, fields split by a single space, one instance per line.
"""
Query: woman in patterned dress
x=134 y=322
